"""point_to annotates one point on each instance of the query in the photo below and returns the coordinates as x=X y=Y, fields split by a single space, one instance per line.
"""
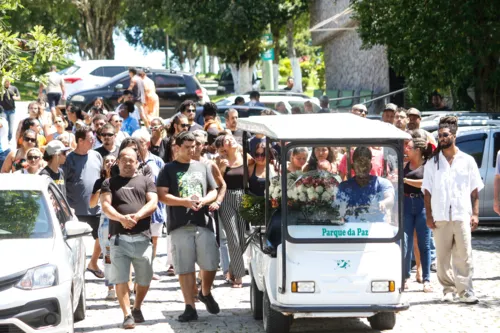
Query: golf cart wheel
x=256 y=300
x=274 y=321
x=80 y=310
x=383 y=321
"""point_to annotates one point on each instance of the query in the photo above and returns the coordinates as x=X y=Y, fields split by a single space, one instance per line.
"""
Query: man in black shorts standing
x=188 y=188
x=129 y=200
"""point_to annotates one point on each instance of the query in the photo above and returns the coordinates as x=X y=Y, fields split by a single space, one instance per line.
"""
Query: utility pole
x=167 y=56
x=267 y=60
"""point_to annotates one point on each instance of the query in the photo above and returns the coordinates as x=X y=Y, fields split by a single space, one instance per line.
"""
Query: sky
x=124 y=51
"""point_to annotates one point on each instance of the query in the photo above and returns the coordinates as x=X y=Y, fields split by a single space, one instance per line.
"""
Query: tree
x=19 y=53
x=438 y=43
x=88 y=23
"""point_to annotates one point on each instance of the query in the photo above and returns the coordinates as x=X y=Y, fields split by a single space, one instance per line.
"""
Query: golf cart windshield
x=341 y=192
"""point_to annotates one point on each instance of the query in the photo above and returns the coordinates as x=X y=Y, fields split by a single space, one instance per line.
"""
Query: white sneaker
x=469 y=298
x=111 y=295
x=448 y=297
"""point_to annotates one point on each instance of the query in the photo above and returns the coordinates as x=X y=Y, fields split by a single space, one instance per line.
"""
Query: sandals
x=98 y=273
x=237 y=284
x=170 y=271
x=427 y=287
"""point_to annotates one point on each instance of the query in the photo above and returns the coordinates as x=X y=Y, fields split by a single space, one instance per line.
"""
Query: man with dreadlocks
x=451 y=188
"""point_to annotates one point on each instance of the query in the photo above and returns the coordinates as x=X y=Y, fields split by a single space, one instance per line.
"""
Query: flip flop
x=98 y=273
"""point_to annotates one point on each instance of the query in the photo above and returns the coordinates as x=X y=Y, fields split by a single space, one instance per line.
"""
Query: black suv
x=172 y=88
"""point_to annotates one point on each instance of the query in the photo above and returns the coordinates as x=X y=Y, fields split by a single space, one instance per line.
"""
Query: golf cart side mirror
x=76 y=229
x=118 y=87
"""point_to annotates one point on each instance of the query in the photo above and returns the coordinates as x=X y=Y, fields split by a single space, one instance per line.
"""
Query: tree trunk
x=181 y=57
x=242 y=77
x=96 y=22
x=211 y=64
x=297 y=73
x=487 y=94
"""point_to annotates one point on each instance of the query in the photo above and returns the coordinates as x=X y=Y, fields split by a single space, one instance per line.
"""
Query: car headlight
x=78 y=98
x=38 y=277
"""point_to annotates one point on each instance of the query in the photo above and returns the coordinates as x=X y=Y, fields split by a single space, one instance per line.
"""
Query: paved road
x=164 y=303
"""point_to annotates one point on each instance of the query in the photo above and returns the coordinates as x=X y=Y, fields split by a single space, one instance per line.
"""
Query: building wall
x=347 y=66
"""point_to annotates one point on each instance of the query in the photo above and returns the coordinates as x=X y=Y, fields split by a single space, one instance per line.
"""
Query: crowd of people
x=128 y=181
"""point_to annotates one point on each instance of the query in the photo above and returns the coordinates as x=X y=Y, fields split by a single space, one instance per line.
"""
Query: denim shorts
x=135 y=250
x=192 y=244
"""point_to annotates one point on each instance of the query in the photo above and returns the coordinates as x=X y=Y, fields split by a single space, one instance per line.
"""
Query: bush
x=285 y=68
x=306 y=67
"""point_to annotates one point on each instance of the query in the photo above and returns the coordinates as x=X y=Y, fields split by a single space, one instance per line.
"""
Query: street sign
x=268 y=39
x=267 y=55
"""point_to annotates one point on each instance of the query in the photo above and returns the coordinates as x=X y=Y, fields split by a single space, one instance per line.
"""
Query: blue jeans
x=3 y=156
x=10 y=115
x=414 y=219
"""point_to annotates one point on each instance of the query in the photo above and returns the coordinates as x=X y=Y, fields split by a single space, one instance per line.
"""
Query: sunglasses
x=444 y=135
x=191 y=110
x=31 y=158
x=155 y=128
x=257 y=155
x=185 y=125
x=107 y=135
x=29 y=140
x=118 y=121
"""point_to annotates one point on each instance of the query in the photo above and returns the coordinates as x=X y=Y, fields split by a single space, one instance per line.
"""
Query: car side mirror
x=118 y=87
x=75 y=229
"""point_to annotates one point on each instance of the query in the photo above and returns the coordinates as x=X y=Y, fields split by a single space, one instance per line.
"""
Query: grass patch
x=28 y=90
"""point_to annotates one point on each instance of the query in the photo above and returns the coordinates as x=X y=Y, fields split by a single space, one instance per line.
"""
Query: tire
x=383 y=321
x=274 y=321
x=79 y=313
x=256 y=301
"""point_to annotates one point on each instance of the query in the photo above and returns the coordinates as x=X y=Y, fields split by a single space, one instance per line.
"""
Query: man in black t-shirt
x=129 y=200
x=188 y=187
x=107 y=133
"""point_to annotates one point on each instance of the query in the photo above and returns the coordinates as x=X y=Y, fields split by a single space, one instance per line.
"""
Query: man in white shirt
x=451 y=188
x=55 y=89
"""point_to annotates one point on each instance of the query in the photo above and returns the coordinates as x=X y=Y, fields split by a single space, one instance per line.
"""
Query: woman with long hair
x=60 y=124
x=16 y=160
x=257 y=171
x=178 y=125
x=232 y=170
x=32 y=124
x=36 y=113
x=35 y=162
x=103 y=230
x=416 y=151
x=322 y=158
x=298 y=158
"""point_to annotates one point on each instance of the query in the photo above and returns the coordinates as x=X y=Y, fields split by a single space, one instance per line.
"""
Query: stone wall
x=347 y=66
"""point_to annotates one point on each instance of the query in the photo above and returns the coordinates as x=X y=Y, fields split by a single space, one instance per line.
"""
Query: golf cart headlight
x=383 y=286
x=303 y=287
x=78 y=98
x=38 y=277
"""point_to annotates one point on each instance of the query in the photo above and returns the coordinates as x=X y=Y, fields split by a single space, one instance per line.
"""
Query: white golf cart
x=333 y=247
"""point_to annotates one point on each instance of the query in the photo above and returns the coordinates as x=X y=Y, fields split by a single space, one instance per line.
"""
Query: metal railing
x=392 y=93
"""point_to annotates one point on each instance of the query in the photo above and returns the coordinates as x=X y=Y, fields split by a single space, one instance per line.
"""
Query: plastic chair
x=332 y=94
x=346 y=103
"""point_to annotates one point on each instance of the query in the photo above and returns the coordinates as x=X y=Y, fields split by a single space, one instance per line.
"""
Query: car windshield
x=70 y=70
x=300 y=104
x=340 y=192
x=24 y=215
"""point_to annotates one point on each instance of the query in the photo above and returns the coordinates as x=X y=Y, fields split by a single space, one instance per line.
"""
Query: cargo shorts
x=135 y=250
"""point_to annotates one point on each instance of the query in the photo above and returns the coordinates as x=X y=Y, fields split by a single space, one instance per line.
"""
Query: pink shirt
x=377 y=163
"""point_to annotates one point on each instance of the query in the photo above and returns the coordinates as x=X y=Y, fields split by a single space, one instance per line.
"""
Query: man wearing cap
x=324 y=102
x=359 y=110
x=389 y=113
x=414 y=118
x=55 y=156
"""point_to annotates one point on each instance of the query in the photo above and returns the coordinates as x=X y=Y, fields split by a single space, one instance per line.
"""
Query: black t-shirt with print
x=57 y=177
x=185 y=180
x=128 y=197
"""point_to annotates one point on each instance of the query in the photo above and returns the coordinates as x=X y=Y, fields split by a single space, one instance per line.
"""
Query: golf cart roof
x=325 y=126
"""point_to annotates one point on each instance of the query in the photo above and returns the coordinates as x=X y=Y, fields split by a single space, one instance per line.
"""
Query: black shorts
x=93 y=221
x=53 y=99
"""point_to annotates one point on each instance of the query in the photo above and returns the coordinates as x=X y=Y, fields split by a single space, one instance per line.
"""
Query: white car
x=42 y=286
x=270 y=101
x=89 y=74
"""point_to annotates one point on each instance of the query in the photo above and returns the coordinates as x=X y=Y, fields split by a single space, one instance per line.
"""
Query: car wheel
x=256 y=300
x=274 y=321
x=79 y=313
x=383 y=321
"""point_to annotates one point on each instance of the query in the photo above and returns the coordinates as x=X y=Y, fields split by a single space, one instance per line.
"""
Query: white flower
x=326 y=196
x=310 y=191
x=313 y=196
x=319 y=189
x=331 y=189
x=292 y=194
x=302 y=197
x=301 y=189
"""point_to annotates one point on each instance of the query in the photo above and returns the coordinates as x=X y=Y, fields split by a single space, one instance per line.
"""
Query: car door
x=488 y=212
x=76 y=249
x=477 y=145
x=170 y=89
